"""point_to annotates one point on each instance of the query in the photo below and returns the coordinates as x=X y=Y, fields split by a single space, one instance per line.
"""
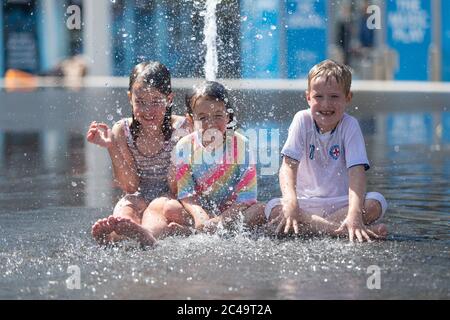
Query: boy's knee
x=376 y=206
x=378 y=200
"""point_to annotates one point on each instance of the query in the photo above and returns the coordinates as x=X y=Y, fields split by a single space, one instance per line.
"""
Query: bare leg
x=317 y=224
x=164 y=217
x=130 y=207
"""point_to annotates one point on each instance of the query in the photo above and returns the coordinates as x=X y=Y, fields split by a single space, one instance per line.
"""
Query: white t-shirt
x=324 y=159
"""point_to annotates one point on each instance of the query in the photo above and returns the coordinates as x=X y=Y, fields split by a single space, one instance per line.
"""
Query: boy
x=322 y=177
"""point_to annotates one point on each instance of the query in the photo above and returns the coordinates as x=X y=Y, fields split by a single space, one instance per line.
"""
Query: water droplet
x=244 y=18
x=272 y=27
x=259 y=36
x=74 y=184
x=110 y=117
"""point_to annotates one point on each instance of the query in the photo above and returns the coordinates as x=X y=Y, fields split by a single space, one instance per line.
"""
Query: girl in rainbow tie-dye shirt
x=216 y=171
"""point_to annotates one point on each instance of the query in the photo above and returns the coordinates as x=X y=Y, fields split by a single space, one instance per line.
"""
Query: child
x=216 y=174
x=140 y=149
x=322 y=177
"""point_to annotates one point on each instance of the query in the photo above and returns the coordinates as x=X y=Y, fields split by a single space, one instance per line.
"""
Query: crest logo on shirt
x=335 y=152
x=312 y=148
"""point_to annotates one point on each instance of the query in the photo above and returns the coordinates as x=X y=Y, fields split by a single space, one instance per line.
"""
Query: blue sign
x=20 y=36
x=446 y=127
x=260 y=39
x=409 y=34
x=2 y=68
x=306 y=35
x=409 y=129
x=445 y=40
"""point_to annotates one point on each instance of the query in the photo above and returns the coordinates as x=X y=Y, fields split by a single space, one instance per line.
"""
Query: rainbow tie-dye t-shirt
x=219 y=178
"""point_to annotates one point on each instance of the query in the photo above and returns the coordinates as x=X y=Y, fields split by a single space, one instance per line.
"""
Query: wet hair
x=154 y=75
x=332 y=69
x=214 y=91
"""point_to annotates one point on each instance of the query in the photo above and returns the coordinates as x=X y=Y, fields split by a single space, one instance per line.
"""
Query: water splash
x=210 y=33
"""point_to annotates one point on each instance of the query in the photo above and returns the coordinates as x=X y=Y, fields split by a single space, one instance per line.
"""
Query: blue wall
x=260 y=39
x=445 y=10
x=2 y=50
x=20 y=28
x=154 y=32
x=52 y=33
x=409 y=33
x=306 y=35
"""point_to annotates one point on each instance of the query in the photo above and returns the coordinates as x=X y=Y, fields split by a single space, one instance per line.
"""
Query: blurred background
x=256 y=39
x=65 y=63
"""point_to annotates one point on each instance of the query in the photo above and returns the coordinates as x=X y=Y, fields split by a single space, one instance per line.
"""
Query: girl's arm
x=124 y=168
x=172 y=180
x=199 y=215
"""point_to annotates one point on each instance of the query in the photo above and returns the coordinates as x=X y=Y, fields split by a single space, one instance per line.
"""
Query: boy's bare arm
x=357 y=190
x=288 y=179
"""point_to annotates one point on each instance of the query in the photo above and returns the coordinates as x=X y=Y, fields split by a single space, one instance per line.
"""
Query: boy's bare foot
x=126 y=227
x=101 y=231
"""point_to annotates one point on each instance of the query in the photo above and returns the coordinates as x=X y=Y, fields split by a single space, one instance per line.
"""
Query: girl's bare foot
x=129 y=229
x=101 y=231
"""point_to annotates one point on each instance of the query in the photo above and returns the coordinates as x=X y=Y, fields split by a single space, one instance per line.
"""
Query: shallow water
x=49 y=200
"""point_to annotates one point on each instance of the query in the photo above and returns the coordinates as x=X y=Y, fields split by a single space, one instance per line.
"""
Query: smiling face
x=210 y=115
x=149 y=105
x=327 y=100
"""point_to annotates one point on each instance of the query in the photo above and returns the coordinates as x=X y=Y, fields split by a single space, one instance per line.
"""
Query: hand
x=100 y=134
x=290 y=218
x=355 y=226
